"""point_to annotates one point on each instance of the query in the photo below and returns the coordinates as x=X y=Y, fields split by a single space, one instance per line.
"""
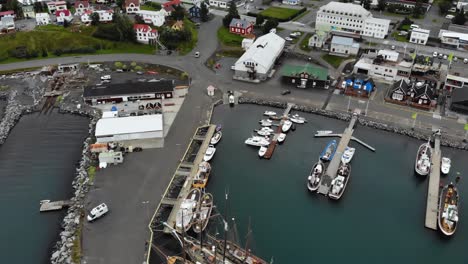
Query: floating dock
x=53 y=206
x=274 y=140
x=434 y=185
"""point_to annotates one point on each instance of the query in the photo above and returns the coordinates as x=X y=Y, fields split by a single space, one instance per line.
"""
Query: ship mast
x=247 y=242
x=183 y=237
x=225 y=225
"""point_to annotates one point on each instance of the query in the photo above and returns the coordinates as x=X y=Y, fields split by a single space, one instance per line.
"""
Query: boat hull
x=206 y=207
x=312 y=184
x=216 y=138
x=329 y=151
x=453 y=200
x=338 y=196
x=421 y=148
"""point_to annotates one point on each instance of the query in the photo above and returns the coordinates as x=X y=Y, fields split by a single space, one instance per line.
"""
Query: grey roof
x=129 y=88
x=342 y=41
x=460 y=95
x=458 y=28
x=243 y=23
x=28 y=8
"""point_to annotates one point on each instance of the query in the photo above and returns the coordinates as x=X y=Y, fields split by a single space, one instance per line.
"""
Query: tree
x=381 y=5
x=259 y=20
x=178 y=13
x=203 y=12
x=66 y=23
x=94 y=19
x=15 y=6
x=119 y=3
x=418 y=9
x=366 y=4
x=269 y=25
x=460 y=18
x=38 y=7
x=406 y=21
x=139 y=19
x=444 y=7
x=232 y=13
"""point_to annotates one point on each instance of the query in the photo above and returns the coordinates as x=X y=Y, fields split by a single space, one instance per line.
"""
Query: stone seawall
x=13 y=112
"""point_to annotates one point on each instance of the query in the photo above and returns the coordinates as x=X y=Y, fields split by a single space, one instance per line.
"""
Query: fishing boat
x=202 y=217
x=262 y=132
x=445 y=165
x=281 y=137
x=202 y=176
x=329 y=151
x=448 y=210
x=422 y=165
x=348 y=155
x=315 y=176
x=216 y=138
x=269 y=113
x=286 y=126
x=257 y=141
x=266 y=122
x=210 y=151
x=338 y=185
x=261 y=151
x=187 y=210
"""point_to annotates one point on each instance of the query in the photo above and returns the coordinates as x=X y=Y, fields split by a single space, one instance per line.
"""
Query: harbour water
x=380 y=218
x=37 y=162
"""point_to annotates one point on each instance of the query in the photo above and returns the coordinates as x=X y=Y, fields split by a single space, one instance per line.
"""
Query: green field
x=227 y=38
x=279 y=12
x=305 y=42
x=334 y=61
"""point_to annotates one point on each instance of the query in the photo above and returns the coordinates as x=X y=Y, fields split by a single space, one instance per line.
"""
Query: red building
x=240 y=27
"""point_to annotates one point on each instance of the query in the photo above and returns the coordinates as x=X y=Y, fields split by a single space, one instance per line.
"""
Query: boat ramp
x=434 y=185
x=47 y=205
x=274 y=140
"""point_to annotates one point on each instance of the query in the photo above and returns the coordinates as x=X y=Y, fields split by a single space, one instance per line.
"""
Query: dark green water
x=37 y=162
x=380 y=218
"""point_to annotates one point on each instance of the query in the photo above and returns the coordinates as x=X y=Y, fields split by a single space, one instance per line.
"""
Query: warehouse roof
x=128 y=125
x=130 y=88
x=319 y=73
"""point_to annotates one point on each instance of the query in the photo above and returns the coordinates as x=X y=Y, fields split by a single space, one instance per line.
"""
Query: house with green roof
x=305 y=76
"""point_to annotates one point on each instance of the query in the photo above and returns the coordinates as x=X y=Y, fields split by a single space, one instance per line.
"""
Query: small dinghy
x=216 y=138
x=329 y=151
x=210 y=151
x=262 y=151
x=281 y=137
x=445 y=165
x=269 y=113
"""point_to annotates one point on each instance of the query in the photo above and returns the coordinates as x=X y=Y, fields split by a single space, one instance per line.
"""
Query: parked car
x=139 y=72
x=288 y=39
x=441 y=55
x=453 y=9
x=434 y=54
x=285 y=92
x=106 y=77
x=449 y=16
x=233 y=67
x=414 y=26
x=402 y=33
x=465 y=61
x=197 y=54
x=119 y=70
x=151 y=72
x=98 y=212
x=445 y=57
x=455 y=59
x=393 y=47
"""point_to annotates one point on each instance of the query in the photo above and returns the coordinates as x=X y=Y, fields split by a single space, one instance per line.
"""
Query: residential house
x=132 y=6
x=157 y=18
x=417 y=94
x=81 y=7
x=240 y=26
x=169 y=6
x=56 y=6
x=7 y=24
x=195 y=10
x=105 y=16
x=63 y=15
x=459 y=100
x=28 y=11
x=145 y=34
x=220 y=3
x=400 y=91
x=292 y=2
x=419 y=36
x=258 y=60
x=385 y=64
x=178 y=25
x=318 y=39
x=42 y=19
x=9 y=13
x=342 y=46
x=305 y=76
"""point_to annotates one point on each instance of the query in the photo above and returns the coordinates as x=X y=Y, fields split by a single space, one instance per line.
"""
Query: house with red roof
x=63 y=15
x=105 y=16
x=132 y=6
x=240 y=26
x=81 y=7
x=9 y=13
x=56 y=6
x=145 y=34
x=169 y=6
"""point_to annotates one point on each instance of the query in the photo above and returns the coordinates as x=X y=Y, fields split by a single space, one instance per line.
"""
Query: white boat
x=297 y=119
x=281 y=137
x=422 y=165
x=348 y=155
x=187 y=210
x=338 y=185
x=265 y=122
x=263 y=132
x=324 y=132
x=216 y=138
x=210 y=151
x=257 y=141
x=268 y=129
x=203 y=216
x=286 y=126
x=448 y=210
x=445 y=165
x=262 y=151
x=231 y=99
x=315 y=176
x=269 y=113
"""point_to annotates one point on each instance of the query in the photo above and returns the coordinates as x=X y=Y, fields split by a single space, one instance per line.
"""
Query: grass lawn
x=399 y=38
x=148 y=8
x=305 y=42
x=334 y=61
x=405 y=27
x=229 y=39
x=301 y=15
x=187 y=47
x=279 y=12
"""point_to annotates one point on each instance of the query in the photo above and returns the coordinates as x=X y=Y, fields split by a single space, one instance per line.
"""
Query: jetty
x=434 y=185
x=47 y=205
x=274 y=140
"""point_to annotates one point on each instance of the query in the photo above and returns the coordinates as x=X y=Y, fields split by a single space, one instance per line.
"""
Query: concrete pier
x=434 y=186
x=274 y=140
x=53 y=206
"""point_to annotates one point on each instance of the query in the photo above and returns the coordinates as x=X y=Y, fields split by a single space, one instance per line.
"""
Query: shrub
x=184 y=76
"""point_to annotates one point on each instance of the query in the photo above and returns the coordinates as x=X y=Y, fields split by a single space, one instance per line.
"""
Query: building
x=400 y=91
x=257 y=62
x=461 y=4
x=318 y=39
x=156 y=18
x=132 y=6
x=9 y=13
x=409 y=4
x=350 y=19
x=305 y=76
x=42 y=19
x=292 y=2
x=172 y=3
x=28 y=11
x=454 y=36
x=144 y=131
x=220 y=3
x=105 y=16
x=145 y=34
x=385 y=65
x=7 y=24
x=342 y=46
x=195 y=10
x=81 y=7
x=63 y=15
x=416 y=94
x=454 y=81
x=178 y=25
x=459 y=100
x=419 y=36
x=358 y=85
x=56 y=6
x=240 y=27
x=124 y=92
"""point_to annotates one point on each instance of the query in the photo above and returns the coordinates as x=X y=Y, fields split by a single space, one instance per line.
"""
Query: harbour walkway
x=53 y=206
x=434 y=185
x=274 y=140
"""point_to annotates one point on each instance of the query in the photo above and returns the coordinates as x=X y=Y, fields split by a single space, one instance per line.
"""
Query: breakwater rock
x=13 y=112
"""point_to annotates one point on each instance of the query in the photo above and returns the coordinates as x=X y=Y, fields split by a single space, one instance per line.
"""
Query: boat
x=329 y=151
x=266 y=122
x=338 y=185
x=448 y=210
x=203 y=215
x=286 y=126
x=187 y=210
x=445 y=165
x=231 y=100
x=269 y=113
x=281 y=137
x=218 y=128
x=177 y=260
x=315 y=176
x=324 y=132
x=422 y=165
x=268 y=129
x=293 y=127
x=257 y=141
x=203 y=173
x=210 y=151
x=239 y=255
x=297 y=119
x=216 y=138
x=348 y=155
x=262 y=151
x=262 y=132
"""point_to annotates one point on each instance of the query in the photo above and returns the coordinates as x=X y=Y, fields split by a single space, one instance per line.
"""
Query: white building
x=292 y=2
x=138 y=131
x=145 y=34
x=385 y=65
x=7 y=24
x=81 y=7
x=462 y=4
x=157 y=18
x=42 y=19
x=258 y=60
x=56 y=6
x=419 y=36
x=104 y=16
x=351 y=19
x=63 y=15
x=219 y=3
x=318 y=39
x=343 y=46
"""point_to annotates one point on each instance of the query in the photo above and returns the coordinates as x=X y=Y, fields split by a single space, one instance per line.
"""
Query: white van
x=414 y=26
x=106 y=77
x=97 y=212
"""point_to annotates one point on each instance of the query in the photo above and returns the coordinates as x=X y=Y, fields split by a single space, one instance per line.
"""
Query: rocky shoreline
x=445 y=140
x=13 y=112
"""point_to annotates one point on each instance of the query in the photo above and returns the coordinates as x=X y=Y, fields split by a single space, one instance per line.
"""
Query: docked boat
x=422 y=165
x=324 y=132
x=445 y=165
x=315 y=176
x=177 y=260
x=269 y=113
x=239 y=255
x=348 y=155
x=286 y=126
x=218 y=128
x=202 y=217
x=261 y=151
x=232 y=100
x=216 y=138
x=267 y=129
x=210 y=151
x=187 y=210
x=297 y=119
x=202 y=176
x=262 y=132
x=266 y=122
x=257 y=141
x=329 y=151
x=281 y=137
x=338 y=185
x=448 y=210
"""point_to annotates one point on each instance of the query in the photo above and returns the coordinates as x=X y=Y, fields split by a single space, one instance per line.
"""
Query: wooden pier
x=274 y=140
x=434 y=185
x=53 y=206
